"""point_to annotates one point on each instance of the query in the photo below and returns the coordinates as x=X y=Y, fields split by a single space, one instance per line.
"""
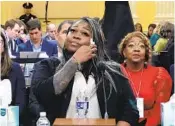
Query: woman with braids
x=56 y=83
x=12 y=71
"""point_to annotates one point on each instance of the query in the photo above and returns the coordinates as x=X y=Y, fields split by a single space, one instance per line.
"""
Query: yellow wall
x=57 y=10
x=146 y=12
x=61 y=10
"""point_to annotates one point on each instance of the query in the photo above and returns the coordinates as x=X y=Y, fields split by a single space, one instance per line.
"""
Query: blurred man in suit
x=36 y=43
x=50 y=32
x=61 y=35
x=12 y=29
x=27 y=9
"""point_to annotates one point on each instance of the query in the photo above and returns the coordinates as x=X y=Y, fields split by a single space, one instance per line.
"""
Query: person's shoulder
x=114 y=64
x=22 y=46
x=15 y=64
x=22 y=16
x=34 y=16
x=51 y=42
x=49 y=62
x=15 y=67
x=114 y=67
x=160 y=71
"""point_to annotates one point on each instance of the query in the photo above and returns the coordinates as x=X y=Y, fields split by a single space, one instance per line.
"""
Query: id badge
x=140 y=107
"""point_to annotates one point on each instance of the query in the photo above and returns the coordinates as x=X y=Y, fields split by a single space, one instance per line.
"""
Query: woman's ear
x=124 y=53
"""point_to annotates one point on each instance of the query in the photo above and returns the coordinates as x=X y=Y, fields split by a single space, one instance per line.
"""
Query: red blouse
x=155 y=87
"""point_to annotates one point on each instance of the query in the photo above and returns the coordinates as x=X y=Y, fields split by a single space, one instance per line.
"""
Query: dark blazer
x=47 y=37
x=13 y=47
x=17 y=80
x=47 y=46
x=121 y=105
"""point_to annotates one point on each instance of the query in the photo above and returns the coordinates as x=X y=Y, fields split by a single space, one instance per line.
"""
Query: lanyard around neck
x=132 y=83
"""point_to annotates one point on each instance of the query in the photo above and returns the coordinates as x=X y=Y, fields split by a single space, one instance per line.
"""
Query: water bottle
x=82 y=104
x=43 y=121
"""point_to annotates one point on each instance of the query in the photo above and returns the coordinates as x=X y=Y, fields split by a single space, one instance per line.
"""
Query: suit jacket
x=13 y=46
x=121 y=105
x=47 y=46
x=16 y=78
x=47 y=37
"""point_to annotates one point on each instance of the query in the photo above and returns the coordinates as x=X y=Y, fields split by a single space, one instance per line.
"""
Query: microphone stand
x=46 y=8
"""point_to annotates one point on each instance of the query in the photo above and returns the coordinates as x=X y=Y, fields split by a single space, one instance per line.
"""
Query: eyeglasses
x=136 y=46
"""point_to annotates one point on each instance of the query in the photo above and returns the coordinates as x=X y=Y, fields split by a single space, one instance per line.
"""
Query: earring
x=145 y=64
x=124 y=62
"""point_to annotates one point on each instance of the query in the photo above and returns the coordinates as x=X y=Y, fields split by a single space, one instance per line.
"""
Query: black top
x=25 y=18
x=121 y=105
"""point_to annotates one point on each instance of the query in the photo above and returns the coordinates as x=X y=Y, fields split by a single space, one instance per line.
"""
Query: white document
x=140 y=106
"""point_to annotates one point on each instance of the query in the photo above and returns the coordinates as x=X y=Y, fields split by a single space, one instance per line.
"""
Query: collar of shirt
x=36 y=49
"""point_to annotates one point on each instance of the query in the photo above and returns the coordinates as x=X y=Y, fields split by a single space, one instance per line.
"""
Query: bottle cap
x=42 y=113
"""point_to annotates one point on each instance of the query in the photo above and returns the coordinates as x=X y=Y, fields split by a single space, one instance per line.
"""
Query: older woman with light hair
x=151 y=85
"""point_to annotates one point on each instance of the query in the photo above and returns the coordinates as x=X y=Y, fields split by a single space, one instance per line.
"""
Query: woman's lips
x=74 y=44
x=136 y=55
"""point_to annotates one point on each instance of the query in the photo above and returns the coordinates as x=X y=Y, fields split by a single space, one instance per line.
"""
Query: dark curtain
x=117 y=22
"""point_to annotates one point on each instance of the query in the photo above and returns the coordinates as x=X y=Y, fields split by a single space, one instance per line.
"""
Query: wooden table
x=84 y=122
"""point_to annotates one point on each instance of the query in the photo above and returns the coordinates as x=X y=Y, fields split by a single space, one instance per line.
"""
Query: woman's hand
x=85 y=53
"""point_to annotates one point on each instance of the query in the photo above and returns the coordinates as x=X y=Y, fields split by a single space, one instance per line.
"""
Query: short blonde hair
x=145 y=40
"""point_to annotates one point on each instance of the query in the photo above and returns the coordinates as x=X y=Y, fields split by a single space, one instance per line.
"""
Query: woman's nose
x=77 y=36
x=136 y=48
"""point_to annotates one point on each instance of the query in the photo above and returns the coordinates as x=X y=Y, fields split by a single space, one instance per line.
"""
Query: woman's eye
x=86 y=34
x=72 y=30
x=142 y=46
x=130 y=46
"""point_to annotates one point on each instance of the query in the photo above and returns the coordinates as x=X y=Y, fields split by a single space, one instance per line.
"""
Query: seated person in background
x=164 y=36
x=12 y=29
x=50 y=32
x=61 y=35
x=170 y=45
x=12 y=71
x=27 y=16
x=56 y=83
x=151 y=28
x=22 y=36
x=138 y=27
x=156 y=34
x=153 y=84
x=36 y=43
